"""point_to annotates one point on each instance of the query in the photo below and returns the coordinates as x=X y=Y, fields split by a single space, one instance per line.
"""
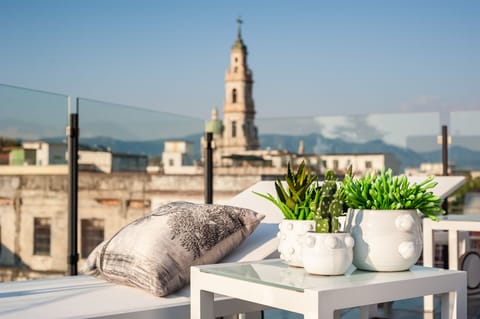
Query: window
x=41 y=236
x=92 y=235
x=235 y=69
x=335 y=164
x=368 y=164
x=171 y=162
x=234 y=96
x=234 y=129
x=1 y=240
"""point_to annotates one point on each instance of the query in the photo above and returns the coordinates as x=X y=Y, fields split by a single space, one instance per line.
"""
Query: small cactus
x=331 y=204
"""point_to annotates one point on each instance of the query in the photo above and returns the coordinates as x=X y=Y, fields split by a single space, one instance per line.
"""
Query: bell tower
x=240 y=133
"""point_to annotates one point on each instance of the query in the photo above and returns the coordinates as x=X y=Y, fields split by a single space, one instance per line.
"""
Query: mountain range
x=462 y=157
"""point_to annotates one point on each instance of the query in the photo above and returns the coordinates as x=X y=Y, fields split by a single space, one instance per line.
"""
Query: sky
x=309 y=58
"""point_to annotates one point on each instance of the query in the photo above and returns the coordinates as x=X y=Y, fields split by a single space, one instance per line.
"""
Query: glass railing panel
x=410 y=137
x=124 y=171
x=464 y=150
x=32 y=115
x=134 y=130
x=33 y=183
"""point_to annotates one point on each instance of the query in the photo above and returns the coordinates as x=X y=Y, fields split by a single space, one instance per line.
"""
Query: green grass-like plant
x=388 y=192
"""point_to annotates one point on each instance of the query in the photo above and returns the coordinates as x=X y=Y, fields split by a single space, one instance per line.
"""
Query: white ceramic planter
x=327 y=254
x=389 y=240
x=291 y=233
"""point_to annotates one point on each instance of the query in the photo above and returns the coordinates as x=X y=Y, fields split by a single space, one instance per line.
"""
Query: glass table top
x=277 y=273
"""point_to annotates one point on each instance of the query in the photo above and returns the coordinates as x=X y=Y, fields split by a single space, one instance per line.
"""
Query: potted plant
x=384 y=218
x=328 y=250
x=297 y=200
x=310 y=234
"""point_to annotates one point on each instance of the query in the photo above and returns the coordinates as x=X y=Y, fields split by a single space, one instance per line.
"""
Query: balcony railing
x=132 y=159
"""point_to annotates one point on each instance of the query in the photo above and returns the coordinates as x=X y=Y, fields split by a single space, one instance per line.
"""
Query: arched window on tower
x=234 y=96
x=234 y=129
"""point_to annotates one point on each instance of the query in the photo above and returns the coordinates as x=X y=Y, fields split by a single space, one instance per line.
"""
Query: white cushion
x=155 y=252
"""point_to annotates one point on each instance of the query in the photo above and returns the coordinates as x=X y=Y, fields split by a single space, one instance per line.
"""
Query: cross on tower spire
x=239 y=21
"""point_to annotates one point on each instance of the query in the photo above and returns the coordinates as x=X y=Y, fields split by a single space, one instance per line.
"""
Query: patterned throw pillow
x=155 y=252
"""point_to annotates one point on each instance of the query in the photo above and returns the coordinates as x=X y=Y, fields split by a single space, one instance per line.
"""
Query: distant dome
x=214 y=125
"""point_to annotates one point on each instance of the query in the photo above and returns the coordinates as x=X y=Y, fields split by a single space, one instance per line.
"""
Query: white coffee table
x=272 y=283
x=453 y=224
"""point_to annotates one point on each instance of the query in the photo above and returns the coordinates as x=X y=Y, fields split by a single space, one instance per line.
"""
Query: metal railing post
x=72 y=135
x=208 y=172
x=445 y=160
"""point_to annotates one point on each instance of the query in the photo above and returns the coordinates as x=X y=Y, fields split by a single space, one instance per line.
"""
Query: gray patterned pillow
x=155 y=252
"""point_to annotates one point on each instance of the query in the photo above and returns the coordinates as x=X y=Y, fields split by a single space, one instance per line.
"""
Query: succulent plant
x=331 y=205
x=305 y=199
x=299 y=199
x=388 y=192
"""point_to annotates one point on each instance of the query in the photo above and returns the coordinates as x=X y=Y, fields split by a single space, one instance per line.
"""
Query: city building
x=178 y=158
x=39 y=153
x=104 y=160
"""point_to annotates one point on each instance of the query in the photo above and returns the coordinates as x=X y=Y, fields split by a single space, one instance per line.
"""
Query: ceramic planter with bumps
x=327 y=253
x=290 y=234
x=385 y=240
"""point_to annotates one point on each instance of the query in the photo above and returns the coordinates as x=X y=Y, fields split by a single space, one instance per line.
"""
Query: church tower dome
x=240 y=133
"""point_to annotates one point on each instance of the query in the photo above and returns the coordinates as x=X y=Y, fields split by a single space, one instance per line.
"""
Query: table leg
x=458 y=302
x=316 y=308
x=365 y=311
x=445 y=306
x=454 y=304
x=453 y=249
x=453 y=259
x=201 y=301
x=428 y=247
x=202 y=305
x=324 y=313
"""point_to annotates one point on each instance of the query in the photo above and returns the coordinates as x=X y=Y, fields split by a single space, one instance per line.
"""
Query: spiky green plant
x=388 y=192
x=299 y=199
